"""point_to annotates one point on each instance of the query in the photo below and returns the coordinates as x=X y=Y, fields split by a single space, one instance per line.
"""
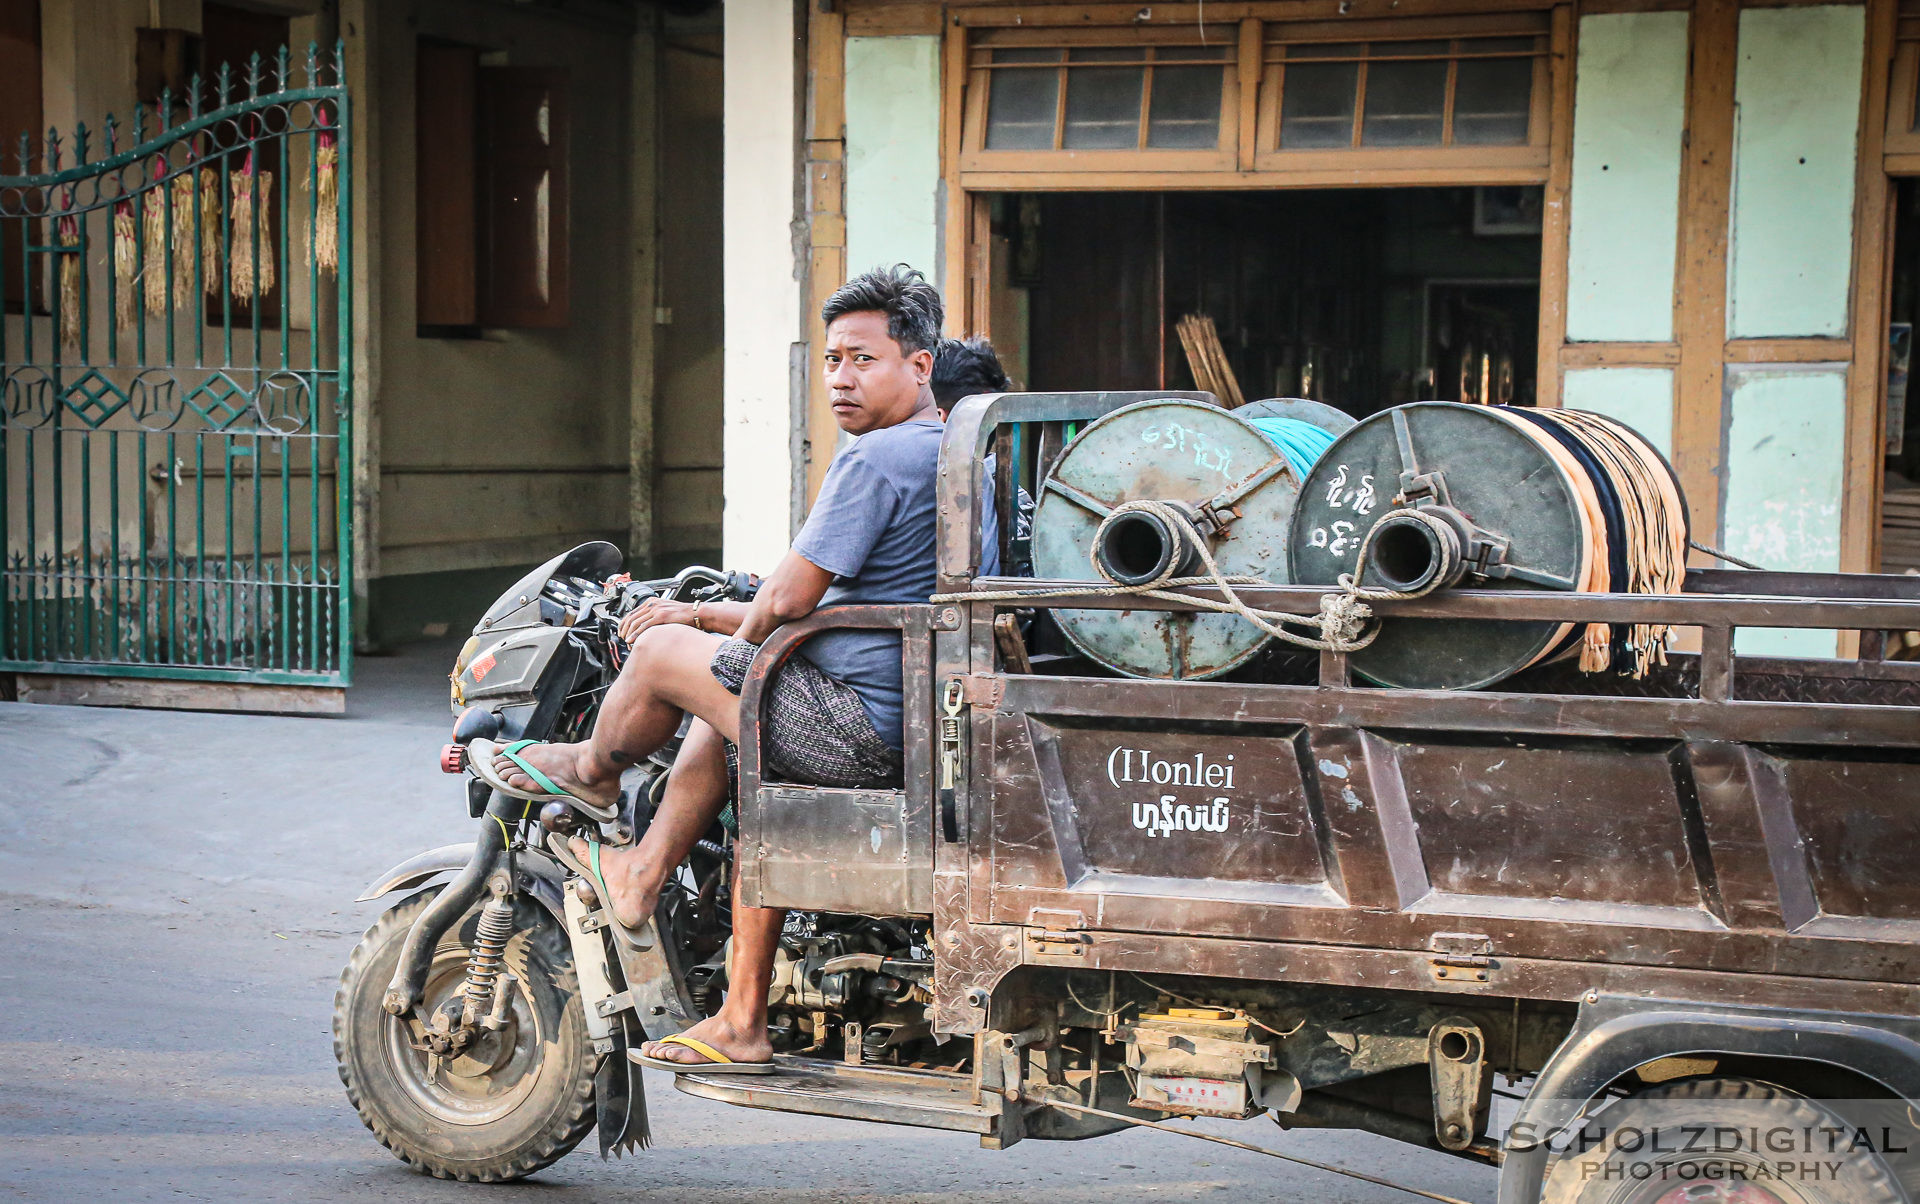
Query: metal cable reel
x=1233 y=483
x=1495 y=497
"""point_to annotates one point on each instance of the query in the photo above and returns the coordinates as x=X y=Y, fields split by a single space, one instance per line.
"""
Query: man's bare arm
x=791 y=592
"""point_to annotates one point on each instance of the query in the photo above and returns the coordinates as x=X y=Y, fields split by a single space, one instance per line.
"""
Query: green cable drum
x=1197 y=456
x=1502 y=498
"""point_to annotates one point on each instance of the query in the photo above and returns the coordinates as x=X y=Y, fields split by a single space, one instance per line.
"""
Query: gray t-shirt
x=872 y=527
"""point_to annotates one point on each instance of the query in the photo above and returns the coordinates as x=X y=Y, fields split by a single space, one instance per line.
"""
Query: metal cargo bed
x=1734 y=828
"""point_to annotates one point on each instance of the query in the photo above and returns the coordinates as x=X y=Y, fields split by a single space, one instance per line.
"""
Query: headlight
x=459 y=668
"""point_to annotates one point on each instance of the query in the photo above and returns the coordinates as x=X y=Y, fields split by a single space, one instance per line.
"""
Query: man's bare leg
x=695 y=794
x=668 y=672
x=739 y=1029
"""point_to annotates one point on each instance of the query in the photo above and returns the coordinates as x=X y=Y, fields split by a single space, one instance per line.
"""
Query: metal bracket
x=1041 y=943
x=1457 y=1057
x=1460 y=957
x=983 y=690
x=614 y=1003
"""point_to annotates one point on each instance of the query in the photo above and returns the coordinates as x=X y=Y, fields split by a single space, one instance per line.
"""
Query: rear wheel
x=1718 y=1141
x=516 y=1099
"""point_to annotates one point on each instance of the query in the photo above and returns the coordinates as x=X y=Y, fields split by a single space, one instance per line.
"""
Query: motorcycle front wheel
x=515 y=1100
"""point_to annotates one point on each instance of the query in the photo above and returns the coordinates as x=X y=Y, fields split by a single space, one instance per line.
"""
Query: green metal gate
x=174 y=387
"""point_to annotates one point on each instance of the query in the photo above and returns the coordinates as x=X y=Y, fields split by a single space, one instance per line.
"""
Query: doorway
x=1362 y=298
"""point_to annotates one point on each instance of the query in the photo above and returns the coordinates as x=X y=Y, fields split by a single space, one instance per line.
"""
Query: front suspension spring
x=489 y=954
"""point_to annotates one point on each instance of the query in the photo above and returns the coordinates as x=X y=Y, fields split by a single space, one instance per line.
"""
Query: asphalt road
x=175 y=906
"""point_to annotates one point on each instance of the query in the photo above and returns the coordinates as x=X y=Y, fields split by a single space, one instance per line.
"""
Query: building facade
x=534 y=290
x=1694 y=217
x=590 y=240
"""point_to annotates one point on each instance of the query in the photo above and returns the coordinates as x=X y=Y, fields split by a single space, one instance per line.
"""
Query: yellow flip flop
x=716 y=1063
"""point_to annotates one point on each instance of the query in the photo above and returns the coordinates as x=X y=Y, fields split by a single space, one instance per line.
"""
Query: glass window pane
x=1108 y=54
x=1406 y=103
x=1185 y=111
x=1491 y=99
x=1316 y=104
x=1103 y=108
x=1021 y=101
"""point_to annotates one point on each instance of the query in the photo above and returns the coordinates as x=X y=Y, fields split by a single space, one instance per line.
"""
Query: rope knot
x=1345 y=622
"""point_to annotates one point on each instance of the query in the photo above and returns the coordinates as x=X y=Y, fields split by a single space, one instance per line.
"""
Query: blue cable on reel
x=1302 y=443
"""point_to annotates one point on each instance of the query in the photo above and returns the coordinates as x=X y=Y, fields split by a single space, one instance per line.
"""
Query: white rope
x=1345 y=622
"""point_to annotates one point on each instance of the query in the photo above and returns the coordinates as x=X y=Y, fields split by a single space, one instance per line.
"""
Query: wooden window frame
x=464 y=259
x=1248 y=154
x=974 y=155
x=1525 y=163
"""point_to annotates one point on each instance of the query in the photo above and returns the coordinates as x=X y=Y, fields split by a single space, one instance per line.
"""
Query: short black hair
x=963 y=367
x=913 y=308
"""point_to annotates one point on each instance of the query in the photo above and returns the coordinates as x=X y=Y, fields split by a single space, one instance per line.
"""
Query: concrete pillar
x=766 y=358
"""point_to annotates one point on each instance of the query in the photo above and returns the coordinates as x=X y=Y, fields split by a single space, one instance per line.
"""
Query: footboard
x=821 y=848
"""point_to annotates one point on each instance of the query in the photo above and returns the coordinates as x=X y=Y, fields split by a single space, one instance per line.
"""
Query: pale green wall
x=1785 y=445
x=1628 y=116
x=1642 y=398
x=893 y=153
x=1797 y=106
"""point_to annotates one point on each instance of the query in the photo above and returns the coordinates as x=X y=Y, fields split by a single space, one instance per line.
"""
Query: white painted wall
x=764 y=361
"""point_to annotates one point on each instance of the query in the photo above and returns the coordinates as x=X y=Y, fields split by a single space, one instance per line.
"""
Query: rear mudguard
x=1614 y=1034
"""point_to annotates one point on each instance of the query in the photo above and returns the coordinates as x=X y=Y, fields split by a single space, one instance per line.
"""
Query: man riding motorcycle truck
x=835 y=712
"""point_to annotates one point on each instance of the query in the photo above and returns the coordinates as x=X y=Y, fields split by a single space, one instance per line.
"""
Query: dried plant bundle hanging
x=126 y=265
x=184 y=202
x=264 y=269
x=210 y=239
x=251 y=255
x=153 y=232
x=240 y=234
x=69 y=226
x=326 y=231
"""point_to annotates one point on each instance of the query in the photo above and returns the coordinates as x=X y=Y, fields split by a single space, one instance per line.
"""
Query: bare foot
x=740 y=1044
x=635 y=890
x=566 y=765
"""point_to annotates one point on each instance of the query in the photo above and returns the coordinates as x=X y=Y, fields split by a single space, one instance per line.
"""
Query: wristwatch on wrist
x=696 y=615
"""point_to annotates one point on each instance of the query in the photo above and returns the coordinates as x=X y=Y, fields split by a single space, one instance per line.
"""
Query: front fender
x=418 y=869
x=541 y=876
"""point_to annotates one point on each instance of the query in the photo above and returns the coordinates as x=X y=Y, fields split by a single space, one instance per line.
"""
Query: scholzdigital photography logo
x=1762 y=1144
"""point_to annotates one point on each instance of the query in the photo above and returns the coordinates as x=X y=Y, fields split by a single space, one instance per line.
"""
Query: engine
x=855 y=986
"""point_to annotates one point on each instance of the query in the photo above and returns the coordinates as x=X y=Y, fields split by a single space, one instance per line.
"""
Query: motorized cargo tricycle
x=1106 y=897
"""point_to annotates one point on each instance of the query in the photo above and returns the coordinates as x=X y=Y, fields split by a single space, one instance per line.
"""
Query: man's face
x=871 y=383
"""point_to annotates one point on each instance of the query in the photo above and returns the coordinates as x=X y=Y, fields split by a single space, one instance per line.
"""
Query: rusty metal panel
x=1536 y=829
x=1181 y=812
x=819 y=849
x=822 y=849
x=1857 y=819
x=1388 y=818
